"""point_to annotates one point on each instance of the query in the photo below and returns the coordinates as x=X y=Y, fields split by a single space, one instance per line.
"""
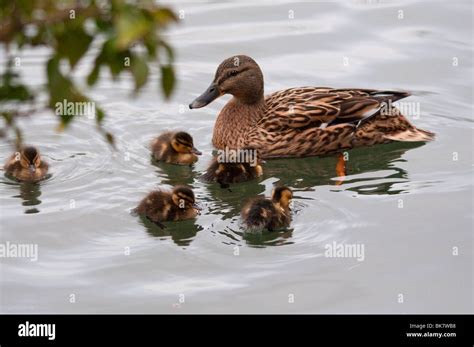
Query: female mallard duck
x=234 y=168
x=305 y=121
x=27 y=165
x=271 y=214
x=175 y=148
x=161 y=206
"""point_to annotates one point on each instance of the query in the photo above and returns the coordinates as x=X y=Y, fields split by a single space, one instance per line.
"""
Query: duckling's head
x=282 y=196
x=182 y=142
x=239 y=76
x=30 y=158
x=183 y=197
x=232 y=166
x=227 y=172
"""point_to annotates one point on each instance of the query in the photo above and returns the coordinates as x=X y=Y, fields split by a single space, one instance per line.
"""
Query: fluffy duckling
x=261 y=213
x=237 y=170
x=27 y=165
x=175 y=148
x=161 y=206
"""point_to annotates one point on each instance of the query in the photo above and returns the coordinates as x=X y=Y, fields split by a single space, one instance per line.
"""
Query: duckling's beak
x=197 y=207
x=211 y=94
x=196 y=151
x=32 y=168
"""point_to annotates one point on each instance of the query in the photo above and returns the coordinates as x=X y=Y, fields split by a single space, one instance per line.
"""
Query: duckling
x=175 y=148
x=242 y=168
x=261 y=213
x=27 y=165
x=161 y=206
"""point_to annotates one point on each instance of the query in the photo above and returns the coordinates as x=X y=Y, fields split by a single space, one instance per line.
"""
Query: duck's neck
x=234 y=122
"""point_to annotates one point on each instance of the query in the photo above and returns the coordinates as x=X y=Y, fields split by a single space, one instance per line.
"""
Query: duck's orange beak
x=211 y=94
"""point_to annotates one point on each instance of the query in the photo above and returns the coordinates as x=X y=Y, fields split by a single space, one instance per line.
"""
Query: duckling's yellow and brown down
x=244 y=166
x=26 y=165
x=261 y=213
x=161 y=205
x=175 y=148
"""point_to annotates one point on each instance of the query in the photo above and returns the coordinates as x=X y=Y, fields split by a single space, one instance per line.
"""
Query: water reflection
x=306 y=174
x=175 y=174
x=316 y=171
x=263 y=239
x=182 y=233
x=228 y=203
x=29 y=194
x=376 y=159
x=303 y=174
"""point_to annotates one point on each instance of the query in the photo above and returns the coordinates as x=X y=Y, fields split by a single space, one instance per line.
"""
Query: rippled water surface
x=80 y=219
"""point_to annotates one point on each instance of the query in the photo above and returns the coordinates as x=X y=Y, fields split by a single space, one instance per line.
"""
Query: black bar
x=324 y=330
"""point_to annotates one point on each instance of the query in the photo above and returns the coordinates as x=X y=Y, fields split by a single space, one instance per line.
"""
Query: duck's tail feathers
x=393 y=126
x=411 y=135
x=388 y=95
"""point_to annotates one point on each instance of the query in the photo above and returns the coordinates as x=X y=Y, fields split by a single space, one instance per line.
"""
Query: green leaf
x=59 y=87
x=127 y=27
x=131 y=26
x=8 y=117
x=139 y=70
x=62 y=92
x=94 y=74
x=99 y=115
x=168 y=49
x=110 y=138
x=73 y=43
x=10 y=88
x=167 y=80
x=113 y=58
x=117 y=64
x=14 y=92
x=150 y=42
x=164 y=16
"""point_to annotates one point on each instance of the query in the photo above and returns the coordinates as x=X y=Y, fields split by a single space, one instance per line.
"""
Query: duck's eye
x=233 y=73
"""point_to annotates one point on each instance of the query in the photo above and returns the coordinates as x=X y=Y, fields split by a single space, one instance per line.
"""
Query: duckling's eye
x=233 y=73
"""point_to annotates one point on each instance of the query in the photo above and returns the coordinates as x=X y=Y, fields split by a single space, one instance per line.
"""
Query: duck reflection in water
x=317 y=171
x=308 y=173
x=299 y=174
x=30 y=193
x=182 y=233
x=174 y=174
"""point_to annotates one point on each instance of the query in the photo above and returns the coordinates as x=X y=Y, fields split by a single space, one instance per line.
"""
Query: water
x=80 y=219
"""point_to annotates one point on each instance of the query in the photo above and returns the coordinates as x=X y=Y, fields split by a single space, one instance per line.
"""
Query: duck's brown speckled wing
x=312 y=106
x=308 y=121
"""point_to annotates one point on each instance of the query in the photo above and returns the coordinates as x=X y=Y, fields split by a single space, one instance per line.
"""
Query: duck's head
x=183 y=197
x=182 y=142
x=282 y=196
x=239 y=76
x=30 y=158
